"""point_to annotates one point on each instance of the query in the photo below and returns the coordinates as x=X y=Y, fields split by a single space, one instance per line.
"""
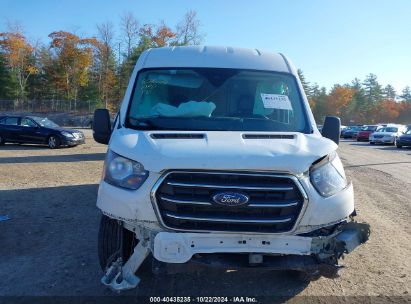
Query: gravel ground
x=48 y=247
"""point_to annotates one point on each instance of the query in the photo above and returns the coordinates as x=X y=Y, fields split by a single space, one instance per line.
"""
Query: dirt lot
x=48 y=247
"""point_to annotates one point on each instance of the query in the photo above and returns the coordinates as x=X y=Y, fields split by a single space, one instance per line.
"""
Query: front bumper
x=383 y=140
x=363 y=137
x=73 y=141
x=403 y=142
x=171 y=247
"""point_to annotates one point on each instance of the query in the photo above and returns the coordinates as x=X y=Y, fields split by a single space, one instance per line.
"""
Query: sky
x=331 y=41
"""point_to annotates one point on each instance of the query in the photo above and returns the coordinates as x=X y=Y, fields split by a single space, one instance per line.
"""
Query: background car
x=387 y=135
x=404 y=140
x=351 y=132
x=37 y=130
x=342 y=128
x=366 y=131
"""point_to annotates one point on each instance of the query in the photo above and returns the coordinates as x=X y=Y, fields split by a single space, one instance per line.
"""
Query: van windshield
x=216 y=100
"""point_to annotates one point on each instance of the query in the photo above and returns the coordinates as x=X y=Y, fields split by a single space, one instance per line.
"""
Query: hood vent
x=177 y=135
x=268 y=136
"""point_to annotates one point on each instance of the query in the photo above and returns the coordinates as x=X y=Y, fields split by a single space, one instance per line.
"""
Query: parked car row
x=394 y=134
x=37 y=130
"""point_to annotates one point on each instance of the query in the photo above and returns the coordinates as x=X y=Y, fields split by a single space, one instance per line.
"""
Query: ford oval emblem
x=231 y=199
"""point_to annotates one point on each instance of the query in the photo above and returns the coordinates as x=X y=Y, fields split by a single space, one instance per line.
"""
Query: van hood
x=221 y=150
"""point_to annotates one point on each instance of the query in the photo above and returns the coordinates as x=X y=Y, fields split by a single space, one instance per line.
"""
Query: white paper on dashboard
x=276 y=101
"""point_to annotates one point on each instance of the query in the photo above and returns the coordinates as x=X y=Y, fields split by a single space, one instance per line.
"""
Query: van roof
x=216 y=57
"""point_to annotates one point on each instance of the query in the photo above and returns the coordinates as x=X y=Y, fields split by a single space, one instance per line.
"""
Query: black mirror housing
x=332 y=128
x=101 y=126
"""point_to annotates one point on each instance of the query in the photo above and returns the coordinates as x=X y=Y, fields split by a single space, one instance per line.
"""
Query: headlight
x=123 y=172
x=67 y=134
x=328 y=175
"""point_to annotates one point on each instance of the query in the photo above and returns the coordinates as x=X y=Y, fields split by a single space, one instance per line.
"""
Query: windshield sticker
x=276 y=101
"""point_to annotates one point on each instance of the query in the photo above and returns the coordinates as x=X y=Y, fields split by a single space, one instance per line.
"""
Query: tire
x=109 y=242
x=2 y=141
x=53 y=142
x=398 y=146
x=372 y=143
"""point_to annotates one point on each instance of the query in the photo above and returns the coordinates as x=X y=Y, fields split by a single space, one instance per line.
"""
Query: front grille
x=184 y=201
x=378 y=136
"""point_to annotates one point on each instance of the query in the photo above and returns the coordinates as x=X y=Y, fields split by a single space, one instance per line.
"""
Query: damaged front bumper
x=182 y=247
x=277 y=252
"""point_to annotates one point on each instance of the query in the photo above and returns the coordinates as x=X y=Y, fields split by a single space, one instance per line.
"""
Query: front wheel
x=109 y=242
x=398 y=146
x=372 y=143
x=2 y=141
x=53 y=142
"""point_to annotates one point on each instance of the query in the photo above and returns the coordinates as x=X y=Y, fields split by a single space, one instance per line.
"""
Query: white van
x=215 y=158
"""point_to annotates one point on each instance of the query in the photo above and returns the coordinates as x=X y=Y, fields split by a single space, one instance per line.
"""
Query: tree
x=73 y=57
x=357 y=109
x=373 y=90
x=188 y=30
x=389 y=92
x=19 y=57
x=156 y=35
x=7 y=83
x=389 y=110
x=406 y=94
x=304 y=83
x=105 y=62
x=318 y=97
x=339 y=99
x=130 y=30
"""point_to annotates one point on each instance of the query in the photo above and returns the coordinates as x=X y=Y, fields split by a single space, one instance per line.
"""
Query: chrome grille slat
x=230 y=187
x=183 y=201
x=264 y=205
x=279 y=205
x=227 y=220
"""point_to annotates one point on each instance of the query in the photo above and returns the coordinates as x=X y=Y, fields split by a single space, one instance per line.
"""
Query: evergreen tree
x=406 y=94
x=358 y=107
x=8 y=85
x=373 y=90
x=305 y=84
x=389 y=92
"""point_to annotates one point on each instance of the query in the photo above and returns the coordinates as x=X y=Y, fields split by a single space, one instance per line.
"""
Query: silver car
x=387 y=135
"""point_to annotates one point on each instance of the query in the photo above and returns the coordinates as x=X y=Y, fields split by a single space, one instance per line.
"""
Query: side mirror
x=101 y=126
x=331 y=128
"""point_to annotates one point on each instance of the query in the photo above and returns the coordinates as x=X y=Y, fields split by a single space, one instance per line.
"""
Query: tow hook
x=119 y=277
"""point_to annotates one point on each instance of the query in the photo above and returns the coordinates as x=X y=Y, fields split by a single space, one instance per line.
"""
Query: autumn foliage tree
x=339 y=99
x=73 y=57
x=19 y=56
